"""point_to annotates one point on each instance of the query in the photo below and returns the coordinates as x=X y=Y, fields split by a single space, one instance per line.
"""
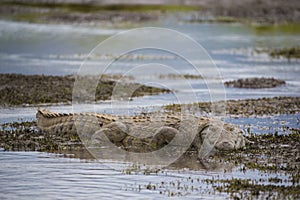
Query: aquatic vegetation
x=255 y=83
x=179 y=76
x=227 y=19
x=248 y=107
x=288 y=53
x=24 y=136
x=217 y=19
x=39 y=89
x=277 y=29
x=270 y=153
x=247 y=188
x=90 y=7
x=70 y=12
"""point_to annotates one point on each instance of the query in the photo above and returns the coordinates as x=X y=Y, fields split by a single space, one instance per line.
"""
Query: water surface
x=35 y=175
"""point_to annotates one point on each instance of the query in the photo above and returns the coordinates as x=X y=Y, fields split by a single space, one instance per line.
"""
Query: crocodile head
x=218 y=136
x=230 y=140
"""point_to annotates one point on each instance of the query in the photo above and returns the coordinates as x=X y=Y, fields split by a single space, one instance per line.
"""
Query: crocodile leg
x=114 y=132
x=163 y=136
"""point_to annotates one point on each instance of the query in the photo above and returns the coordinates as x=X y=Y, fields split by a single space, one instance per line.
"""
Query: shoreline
x=224 y=11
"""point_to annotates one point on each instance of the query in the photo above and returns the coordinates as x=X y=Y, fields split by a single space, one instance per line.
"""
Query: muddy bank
x=92 y=12
x=87 y=12
x=18 y=90
x=255 y=83
x=250 y=107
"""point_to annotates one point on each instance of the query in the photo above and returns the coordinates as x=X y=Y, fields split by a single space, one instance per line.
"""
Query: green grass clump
x=289 y=28
x=288 y=53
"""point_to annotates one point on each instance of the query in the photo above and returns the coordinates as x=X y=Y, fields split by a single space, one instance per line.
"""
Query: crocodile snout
x=224 y=145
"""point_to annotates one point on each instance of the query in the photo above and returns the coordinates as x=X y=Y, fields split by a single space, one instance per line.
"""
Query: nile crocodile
x=143 y=133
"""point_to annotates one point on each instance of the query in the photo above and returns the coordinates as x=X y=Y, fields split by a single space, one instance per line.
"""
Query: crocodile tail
x=62 y=123
x=47 y=119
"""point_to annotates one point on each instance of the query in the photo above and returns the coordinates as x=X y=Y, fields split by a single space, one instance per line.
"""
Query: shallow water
x=35 y=175
x=277 y=124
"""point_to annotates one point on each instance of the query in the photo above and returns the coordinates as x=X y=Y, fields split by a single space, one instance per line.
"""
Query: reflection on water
x=31 y=175
x=35 y=175
x=186 y=161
